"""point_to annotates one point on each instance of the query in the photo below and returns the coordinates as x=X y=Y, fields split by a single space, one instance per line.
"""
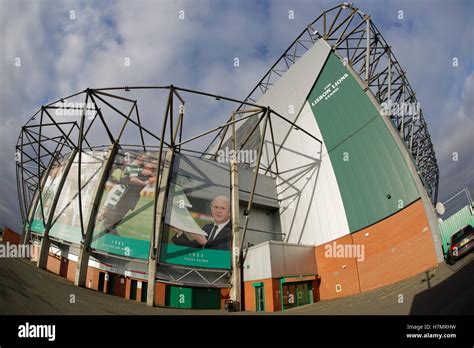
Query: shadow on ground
x=454 y=295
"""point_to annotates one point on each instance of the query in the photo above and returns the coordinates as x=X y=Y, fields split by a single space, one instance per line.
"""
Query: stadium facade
x=334 y=198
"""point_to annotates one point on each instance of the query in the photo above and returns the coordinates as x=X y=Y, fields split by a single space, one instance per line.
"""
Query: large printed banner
x=66 y=223
x=198 y=230
x=124 y=222
x=49 y=189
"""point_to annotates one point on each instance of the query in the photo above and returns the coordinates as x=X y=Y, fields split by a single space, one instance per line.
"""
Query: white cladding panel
x=276 y=260
x=257 y=264
x=312 y=211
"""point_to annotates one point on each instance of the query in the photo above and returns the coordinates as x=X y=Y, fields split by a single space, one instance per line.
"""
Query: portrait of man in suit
x=219 y=232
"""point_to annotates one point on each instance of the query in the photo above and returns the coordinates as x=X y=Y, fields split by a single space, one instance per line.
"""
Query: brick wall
x=394 y=249
x=11 y=236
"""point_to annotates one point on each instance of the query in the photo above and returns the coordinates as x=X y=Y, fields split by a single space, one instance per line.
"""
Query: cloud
x=454 y=146
x=60 y=56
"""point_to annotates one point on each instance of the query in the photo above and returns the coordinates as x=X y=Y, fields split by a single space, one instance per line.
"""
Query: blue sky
x=60 y=56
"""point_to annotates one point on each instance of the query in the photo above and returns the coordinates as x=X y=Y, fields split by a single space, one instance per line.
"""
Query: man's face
x=220 y=210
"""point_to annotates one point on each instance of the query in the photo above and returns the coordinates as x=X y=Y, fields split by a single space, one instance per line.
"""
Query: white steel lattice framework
x=353 y=35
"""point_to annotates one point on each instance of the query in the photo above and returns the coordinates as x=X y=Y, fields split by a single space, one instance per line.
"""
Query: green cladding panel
x=206 y=298
x=179 y=297
x=197 y=298
x=366 y=160
x=454 y=223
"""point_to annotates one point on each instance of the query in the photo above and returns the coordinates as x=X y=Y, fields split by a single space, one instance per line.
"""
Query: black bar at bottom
x=238 y=328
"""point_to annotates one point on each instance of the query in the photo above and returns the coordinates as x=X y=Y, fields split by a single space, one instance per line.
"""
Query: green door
x=179 y=297
x=302 y=294
x=259 y=299
x=206 y=298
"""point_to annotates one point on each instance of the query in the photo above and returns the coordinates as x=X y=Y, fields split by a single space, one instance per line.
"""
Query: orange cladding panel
x=338 y=274
x=398 y=247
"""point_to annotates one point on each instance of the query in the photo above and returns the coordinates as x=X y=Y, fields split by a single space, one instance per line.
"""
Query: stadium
x=320 y=184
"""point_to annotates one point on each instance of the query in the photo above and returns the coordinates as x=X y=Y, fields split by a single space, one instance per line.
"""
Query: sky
x=61 y=55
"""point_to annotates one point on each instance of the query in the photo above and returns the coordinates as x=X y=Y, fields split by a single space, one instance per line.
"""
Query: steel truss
x=44 y=142
x=354 y=37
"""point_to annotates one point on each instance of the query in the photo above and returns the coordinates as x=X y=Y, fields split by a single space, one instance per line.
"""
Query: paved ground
x=444 y=290
x=25 y=289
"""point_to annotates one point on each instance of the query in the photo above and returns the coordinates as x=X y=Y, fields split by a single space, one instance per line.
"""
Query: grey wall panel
x=276 y=260
x=290 y=260
x=264 y=225
x=210 y=171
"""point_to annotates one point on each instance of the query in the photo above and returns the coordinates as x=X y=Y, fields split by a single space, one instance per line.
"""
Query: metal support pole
x=34 y=201
x=367 y=58
x=160 y=189
x=466 y=191
x=159 y=217
x=171 y=113
x=45 y=243
x=255 y=176
x=39 y=156
x=236 y=280
x=23 y=206
x=83 y=257
x=220 y=142
x=79 y=166
x=402 y=127
x=389 y=85
x=417 y=152
x=274 y=148
x=178 y=127
x=126 y=121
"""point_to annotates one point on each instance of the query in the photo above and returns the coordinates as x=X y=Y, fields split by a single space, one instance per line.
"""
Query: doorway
x=259 y=299
x=144 y=291
x=133 y=289
x=206 y=298
x=197 y=298
x=296 y=294
x=101 y=282
x=111 y=284
x=179 y=297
